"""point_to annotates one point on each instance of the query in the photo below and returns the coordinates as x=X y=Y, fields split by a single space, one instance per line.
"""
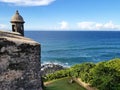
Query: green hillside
x=103 y=75
x=63 y=84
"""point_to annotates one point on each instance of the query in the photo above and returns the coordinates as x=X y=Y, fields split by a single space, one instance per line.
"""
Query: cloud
x=86 y=25
x=97 y=26
x=28 y=2
x=63 y=25
x=3 y=26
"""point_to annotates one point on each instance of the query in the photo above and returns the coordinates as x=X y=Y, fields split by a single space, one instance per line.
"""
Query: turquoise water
x=72 y=47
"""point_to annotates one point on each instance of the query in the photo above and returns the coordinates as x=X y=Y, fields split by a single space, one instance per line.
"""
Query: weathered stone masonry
x=19 y=63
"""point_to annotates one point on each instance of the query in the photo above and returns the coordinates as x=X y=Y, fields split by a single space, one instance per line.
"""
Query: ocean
x=72 y=47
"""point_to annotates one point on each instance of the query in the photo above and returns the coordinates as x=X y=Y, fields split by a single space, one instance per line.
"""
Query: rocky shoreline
x=50 y=68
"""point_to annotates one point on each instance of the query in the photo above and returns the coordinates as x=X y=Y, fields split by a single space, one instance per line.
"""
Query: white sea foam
x=56 y=63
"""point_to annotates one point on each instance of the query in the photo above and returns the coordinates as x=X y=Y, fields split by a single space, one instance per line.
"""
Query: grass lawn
x=63 y=84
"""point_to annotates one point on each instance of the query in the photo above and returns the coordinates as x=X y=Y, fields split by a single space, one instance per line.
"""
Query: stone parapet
x=19 y=62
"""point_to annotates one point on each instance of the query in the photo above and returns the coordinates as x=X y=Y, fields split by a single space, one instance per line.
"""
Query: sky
x=62 y=15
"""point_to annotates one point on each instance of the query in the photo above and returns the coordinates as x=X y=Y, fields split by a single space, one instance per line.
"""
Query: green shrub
x=105 y=75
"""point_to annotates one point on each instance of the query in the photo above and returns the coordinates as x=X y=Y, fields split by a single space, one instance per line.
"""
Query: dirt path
x=85 y=85
x=47 y=83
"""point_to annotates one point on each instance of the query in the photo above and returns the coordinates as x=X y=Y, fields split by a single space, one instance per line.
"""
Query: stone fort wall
x=19 y=63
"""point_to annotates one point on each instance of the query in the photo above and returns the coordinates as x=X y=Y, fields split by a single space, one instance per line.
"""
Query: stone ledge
x=17 y=38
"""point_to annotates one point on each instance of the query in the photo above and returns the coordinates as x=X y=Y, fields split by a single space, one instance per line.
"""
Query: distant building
x=17 y=22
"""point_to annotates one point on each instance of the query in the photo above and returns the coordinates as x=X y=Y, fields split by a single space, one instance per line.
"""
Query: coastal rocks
x=50 y=68
x=19 y=63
